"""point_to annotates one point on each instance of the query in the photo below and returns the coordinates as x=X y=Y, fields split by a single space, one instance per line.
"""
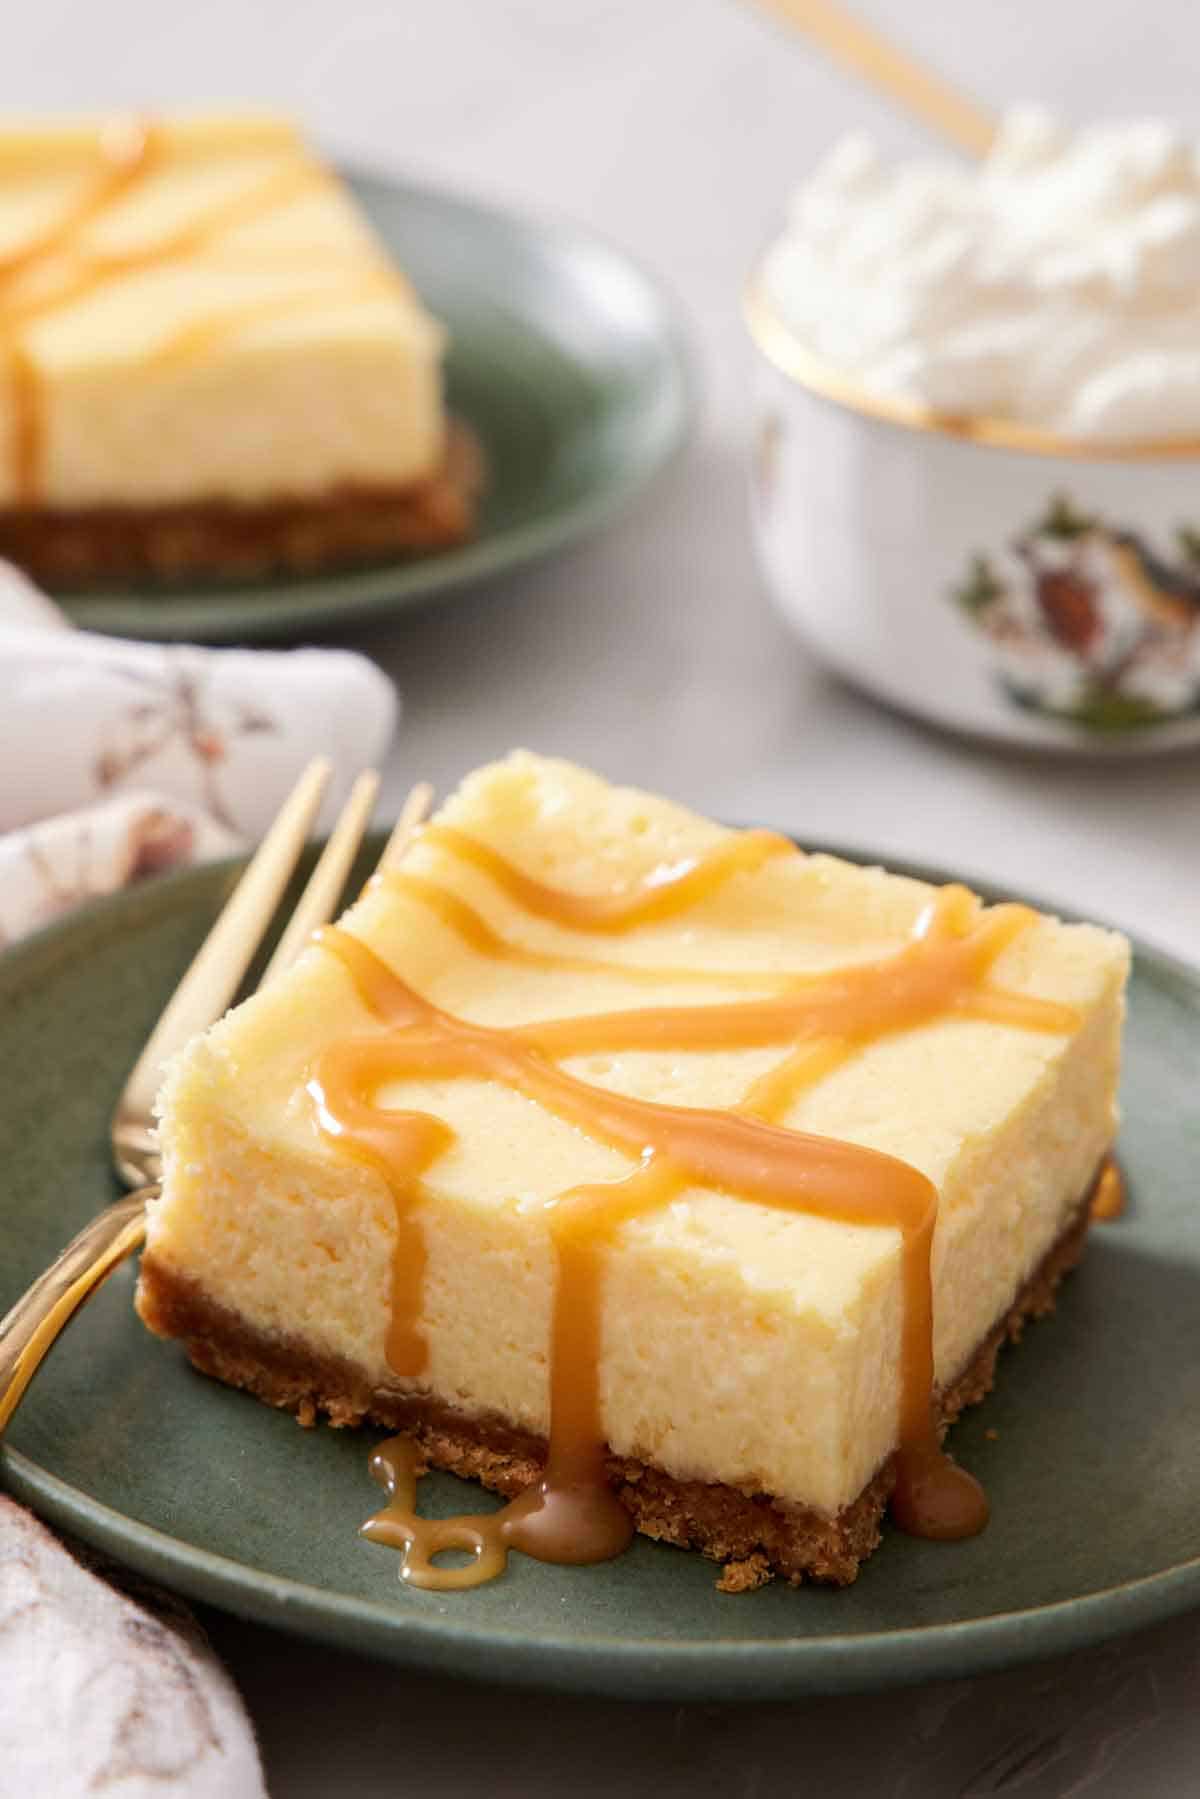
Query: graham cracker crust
x=222 y=539
x=754 y=1535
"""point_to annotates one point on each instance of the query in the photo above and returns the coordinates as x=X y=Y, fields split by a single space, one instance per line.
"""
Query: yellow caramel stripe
x=128 y=149
x=474 y=930
x=197 y=338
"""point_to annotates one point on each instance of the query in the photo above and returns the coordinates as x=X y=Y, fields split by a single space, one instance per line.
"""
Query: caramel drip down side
x=1108 y=1196
x=127 y=152
x=25 y=445
x=572 y=1514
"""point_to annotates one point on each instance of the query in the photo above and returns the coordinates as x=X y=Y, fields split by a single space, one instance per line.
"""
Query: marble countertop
x=676 y=130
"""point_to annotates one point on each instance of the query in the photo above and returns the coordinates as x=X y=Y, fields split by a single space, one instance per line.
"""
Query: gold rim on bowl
x=785 y=351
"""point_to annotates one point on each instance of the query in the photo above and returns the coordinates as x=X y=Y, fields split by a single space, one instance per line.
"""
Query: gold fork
x=38 y=1317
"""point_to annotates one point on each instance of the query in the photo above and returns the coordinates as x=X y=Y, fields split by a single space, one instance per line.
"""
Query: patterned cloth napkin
x=99 y=1695
x=119 y=760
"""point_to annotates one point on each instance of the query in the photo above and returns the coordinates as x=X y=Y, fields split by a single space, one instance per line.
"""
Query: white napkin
x=21 y=603
x=117 y=761
x=99 y=1696
x=199 y=747
x=52 y=867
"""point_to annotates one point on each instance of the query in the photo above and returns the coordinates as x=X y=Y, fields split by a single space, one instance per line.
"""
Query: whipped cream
x=1056 y=284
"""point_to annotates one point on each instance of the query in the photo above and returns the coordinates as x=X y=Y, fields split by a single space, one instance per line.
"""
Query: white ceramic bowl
x=990 y=577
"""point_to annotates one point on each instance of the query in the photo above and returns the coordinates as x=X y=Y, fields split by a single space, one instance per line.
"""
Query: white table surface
x=675 y=129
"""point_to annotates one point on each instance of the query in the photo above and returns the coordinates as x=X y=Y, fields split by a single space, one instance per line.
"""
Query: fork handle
x=44 y=1311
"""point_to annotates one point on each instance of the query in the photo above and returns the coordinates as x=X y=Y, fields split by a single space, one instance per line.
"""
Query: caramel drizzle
x=572 y=1514
x=664 y=893
x=126 y=153
x=129 y=151
x=479 y=936
x=25 y=447
x=198 y=337
x=1108 y=1195
x=91 y=271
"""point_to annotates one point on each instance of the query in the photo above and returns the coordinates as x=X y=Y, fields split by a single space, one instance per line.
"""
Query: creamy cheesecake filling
x=754 y=1534
x=155 y=274
x=466 y=1033
x=571 y=1515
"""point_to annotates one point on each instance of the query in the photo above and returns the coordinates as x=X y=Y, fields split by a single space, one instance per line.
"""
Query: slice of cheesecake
x=208 y=365
x=720 y=1167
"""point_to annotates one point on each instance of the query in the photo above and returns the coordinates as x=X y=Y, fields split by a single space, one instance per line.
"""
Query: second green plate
x=564 y=358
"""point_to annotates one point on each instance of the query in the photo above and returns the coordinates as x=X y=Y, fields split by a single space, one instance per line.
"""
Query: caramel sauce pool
x=818 y=1021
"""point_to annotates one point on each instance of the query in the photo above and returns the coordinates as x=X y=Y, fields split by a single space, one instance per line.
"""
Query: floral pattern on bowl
x=1089 y=622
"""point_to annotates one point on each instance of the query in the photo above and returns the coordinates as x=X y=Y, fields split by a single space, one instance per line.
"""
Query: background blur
x=677 y=128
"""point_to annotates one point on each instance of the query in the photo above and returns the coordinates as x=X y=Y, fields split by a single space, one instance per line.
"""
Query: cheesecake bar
x=208 y=365
x=655 y=1174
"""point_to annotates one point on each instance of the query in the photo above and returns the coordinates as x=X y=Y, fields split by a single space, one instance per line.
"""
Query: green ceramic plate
x=1094 y=1474
x=566 y=360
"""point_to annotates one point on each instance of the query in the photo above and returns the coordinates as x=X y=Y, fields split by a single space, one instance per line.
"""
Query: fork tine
x=412 y=815
x=318 y=902
x=37 y=1319
x=223 y=958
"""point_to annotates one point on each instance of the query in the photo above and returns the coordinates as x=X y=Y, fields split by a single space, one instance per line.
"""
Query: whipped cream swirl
x=1056 y=284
